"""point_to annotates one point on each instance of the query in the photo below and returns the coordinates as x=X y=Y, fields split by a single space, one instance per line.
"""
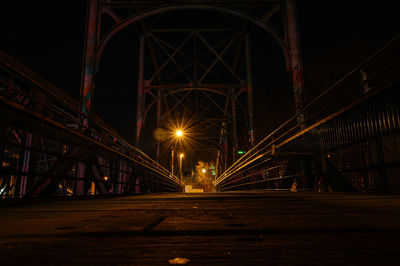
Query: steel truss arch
x=176 y=7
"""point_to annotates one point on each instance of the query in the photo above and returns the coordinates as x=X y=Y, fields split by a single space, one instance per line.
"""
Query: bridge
x=305 y=181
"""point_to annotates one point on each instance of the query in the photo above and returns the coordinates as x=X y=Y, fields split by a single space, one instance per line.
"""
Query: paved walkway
x=208 y=229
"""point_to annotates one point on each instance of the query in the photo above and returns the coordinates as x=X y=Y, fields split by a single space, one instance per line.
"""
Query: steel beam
x=249 y=92
x=159 y=111
x=234 y=129
x=88 y=70
x=170 y=57
x=295 y=58
x=218 y=56
x=141 y=93
x=225 y=148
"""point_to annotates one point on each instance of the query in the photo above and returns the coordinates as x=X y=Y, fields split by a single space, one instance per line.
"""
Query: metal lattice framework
x=198 y=77
x=45 y=150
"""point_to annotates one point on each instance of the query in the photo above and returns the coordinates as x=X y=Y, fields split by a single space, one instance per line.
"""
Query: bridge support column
x=296 y=69
x=249 y=92
x=292 y=38
x=141 y=98
x=89 y=65
x=226 y=157
x=234 y=129
x=159 y=110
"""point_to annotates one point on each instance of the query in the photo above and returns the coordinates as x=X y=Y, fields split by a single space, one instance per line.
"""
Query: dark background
x=335 y=36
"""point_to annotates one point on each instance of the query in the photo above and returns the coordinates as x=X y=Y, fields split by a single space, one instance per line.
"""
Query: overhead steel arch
x=175 y=7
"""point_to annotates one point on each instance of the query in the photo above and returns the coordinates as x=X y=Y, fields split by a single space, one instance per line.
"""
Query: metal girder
x=218 y=57
x=171 y=57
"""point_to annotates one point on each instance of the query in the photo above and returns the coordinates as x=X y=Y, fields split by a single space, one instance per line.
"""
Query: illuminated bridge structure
x=199 y=79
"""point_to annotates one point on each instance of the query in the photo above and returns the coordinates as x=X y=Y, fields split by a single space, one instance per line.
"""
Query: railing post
x=27 y=157
x=79 y=184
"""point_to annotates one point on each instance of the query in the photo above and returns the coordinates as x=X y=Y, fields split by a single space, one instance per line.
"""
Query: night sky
x=335 y=35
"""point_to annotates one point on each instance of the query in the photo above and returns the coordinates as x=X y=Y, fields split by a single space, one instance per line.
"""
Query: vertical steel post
x=217 y=164
x=158 y=123
x=295 y=58
x=3 y=135
x=225 y=162
x=180 y=168
x=234 y=128
x=172 y=160
x=119 y=178
x=124 y=177
x=140 y=99
x=249 y=91
x=79 y=186
x=25 y=164
x=297 y=72
x=88 y=69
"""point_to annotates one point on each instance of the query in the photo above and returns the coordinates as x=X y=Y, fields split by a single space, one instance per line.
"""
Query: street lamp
x=203 y=170
x=178 y=134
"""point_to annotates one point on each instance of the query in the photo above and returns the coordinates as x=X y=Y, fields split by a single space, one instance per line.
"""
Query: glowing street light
x=179 y=134
x=203 y=170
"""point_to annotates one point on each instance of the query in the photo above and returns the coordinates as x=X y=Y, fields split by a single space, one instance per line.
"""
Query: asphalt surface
x=248 y=228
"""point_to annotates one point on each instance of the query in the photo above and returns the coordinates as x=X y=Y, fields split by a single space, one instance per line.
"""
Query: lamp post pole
x=180 y=166
x=172 y=160
x=178 y=134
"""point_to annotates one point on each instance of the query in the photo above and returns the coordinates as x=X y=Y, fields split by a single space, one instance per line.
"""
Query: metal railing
x=46 y=139
x=360 y=108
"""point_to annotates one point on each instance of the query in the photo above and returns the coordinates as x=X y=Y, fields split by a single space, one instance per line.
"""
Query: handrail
x=290 y=129
x=45 y=97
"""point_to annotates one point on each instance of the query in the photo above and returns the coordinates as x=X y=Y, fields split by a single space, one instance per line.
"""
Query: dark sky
x=48 y=37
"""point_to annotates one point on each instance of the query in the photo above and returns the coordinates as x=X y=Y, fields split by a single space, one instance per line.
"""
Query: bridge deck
x=224 y=228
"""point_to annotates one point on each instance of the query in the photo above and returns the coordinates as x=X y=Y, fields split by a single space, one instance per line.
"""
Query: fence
x=48 y=147
x=346 y=139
